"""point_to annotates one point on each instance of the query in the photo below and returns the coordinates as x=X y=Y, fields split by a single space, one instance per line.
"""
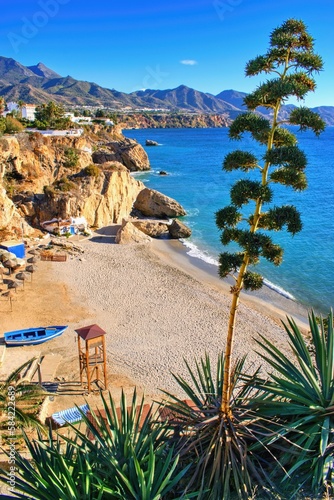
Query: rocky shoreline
x=172 y=120
x=43 y=178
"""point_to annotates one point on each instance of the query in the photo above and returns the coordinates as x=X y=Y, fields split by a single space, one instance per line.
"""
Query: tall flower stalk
x=292 y=62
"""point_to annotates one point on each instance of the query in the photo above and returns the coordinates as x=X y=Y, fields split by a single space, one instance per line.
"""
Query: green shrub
x=216 y=447
x=71 y=158
x=49 y=191
x=41 y=125
x=92 y=170
x=2 y=125
x=12 y=125
x=128 y=458
x=64 y=185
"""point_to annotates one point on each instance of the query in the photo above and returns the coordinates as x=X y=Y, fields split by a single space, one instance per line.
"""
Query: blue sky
x=131 y=45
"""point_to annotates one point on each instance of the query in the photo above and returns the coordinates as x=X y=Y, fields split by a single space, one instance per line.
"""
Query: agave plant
x=126 y=456
x=134 y=451
x=298 y=399
x=27 y=396
x=216 y=446
x=55 y=470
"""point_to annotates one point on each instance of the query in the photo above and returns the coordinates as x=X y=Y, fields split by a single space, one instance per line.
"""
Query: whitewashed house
x=72 y=225
x=28 y=111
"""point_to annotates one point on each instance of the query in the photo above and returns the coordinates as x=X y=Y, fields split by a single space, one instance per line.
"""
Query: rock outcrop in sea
x=154 y=204
x=178 y=229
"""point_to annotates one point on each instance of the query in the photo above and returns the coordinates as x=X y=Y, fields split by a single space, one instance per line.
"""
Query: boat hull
x=33 y=336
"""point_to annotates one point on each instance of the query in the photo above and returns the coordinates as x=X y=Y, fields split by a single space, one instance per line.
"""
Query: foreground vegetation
x=25 y=405
x=284 y=425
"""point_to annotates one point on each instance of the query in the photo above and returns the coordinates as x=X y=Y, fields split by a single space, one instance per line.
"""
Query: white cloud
x=189 y=62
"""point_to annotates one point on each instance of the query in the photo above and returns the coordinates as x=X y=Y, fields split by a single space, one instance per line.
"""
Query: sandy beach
x=156 y=304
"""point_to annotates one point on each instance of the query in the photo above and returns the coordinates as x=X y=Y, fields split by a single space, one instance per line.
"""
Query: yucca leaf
x=329 y=386
x=306 y=378
x=325 y=431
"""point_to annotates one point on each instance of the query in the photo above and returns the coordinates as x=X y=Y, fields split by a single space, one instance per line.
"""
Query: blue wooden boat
x=33 y=336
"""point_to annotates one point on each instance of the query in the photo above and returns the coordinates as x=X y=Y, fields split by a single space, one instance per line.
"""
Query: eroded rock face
x=36 y=162
x=39 y=160
x=102 y=200
x=155 y=229
x=127 y=151
x=178 y=229
x=7 y=209
x=129 y=234
x=154 y=204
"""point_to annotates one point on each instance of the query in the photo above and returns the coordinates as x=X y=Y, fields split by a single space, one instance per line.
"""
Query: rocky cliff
x=172 y=120
x=43 y=177
x=104 y=197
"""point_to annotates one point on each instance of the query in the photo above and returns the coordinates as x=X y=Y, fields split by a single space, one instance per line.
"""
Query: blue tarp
x=16 y=247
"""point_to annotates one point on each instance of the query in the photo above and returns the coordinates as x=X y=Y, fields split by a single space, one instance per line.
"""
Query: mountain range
x=38 y=84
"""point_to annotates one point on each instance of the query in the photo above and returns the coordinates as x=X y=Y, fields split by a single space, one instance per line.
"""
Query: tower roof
x=90 y=332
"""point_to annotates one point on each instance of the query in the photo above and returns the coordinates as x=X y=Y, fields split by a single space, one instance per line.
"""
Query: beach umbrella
x=11 y=264
x=31 y=269
x=22 y=276
x=10 y=296
x=13 y=284
x=33 y=260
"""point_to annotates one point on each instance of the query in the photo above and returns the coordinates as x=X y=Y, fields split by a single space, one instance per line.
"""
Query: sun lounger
x=71 y=415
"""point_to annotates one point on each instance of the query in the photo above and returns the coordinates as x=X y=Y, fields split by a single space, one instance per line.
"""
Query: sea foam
x=194 y=251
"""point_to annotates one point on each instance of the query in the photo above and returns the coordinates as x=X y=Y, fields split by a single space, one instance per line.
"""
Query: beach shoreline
x=267 y=300
x=160 y=306
x=157 y=304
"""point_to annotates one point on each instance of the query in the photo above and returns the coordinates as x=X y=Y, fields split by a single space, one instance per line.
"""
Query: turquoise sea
x=193 y=159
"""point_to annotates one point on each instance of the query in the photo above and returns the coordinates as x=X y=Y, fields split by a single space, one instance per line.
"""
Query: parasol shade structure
x=33 y=251
x=90 y=332
x=10 y=296
x=11 y=264
x=31 y=269
x=13 y=284
x=33 y=260
x=2 y=272
x=22 y=276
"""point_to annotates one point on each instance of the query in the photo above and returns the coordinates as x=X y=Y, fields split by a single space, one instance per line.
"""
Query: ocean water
x=193 y=160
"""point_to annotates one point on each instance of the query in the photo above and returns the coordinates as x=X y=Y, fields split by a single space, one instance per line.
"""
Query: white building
x=78 y=119
x=12 y=106
x=72 y=225
x=28 y=111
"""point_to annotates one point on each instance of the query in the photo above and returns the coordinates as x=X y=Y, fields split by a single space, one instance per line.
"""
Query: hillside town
x=27 y=112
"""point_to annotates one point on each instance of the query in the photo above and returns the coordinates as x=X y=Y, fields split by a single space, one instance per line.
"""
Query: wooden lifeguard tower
x=92 y=355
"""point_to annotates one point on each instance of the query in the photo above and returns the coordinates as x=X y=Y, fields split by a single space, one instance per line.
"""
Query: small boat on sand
x=33 y=336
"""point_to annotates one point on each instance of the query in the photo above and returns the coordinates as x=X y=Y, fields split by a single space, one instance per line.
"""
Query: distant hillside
x=41 y=70
x=39 y=84
x=183 y=98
